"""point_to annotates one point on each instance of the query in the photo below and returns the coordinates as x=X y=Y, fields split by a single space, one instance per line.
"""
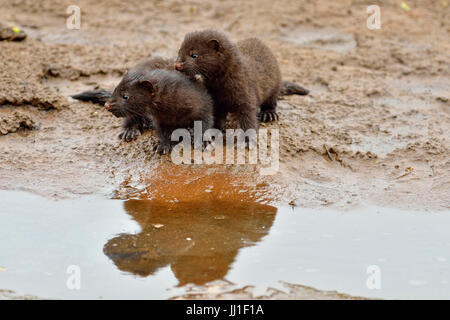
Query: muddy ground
x=379 y=101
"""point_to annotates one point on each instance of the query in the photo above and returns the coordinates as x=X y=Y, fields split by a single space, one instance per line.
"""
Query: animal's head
x=134 y=95
x=203 y=52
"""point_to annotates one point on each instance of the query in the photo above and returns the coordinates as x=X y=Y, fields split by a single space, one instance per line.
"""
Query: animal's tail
x=96 y=96
x=101 y=95
x=290 y=88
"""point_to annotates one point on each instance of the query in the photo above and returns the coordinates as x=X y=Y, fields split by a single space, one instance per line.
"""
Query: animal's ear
x=214 y=44
x=147 y=84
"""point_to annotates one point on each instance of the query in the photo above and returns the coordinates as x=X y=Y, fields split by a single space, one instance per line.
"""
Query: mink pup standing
x=133 y=125
x=240 y=77
x=167 y=97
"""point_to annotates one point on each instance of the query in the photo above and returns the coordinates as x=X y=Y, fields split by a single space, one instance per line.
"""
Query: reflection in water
x=199 y=240
x=325 y=249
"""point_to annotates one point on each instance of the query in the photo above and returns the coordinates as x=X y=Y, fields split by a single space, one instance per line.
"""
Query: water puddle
x=324 y=39
x=433 y=93
x=381 y=146
x=155 y=249
x=432 y=86
x=412 y=102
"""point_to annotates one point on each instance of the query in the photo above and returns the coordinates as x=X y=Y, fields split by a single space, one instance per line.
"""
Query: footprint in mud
x=199 y=240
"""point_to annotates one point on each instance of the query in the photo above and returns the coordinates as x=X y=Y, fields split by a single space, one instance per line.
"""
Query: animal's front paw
x=163 y=148
x=129 y=134
x=268 y=116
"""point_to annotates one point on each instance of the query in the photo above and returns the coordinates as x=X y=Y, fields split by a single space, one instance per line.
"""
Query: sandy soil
x=379 y=103
x=379 y=99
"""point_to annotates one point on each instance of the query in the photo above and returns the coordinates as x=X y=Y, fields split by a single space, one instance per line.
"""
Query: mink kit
x=166 y=99
x=241 y=77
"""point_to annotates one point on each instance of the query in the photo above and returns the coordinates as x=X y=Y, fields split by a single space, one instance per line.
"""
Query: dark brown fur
x=133 y=125
x=240 y=77
x=169 y=98
x=99 y=96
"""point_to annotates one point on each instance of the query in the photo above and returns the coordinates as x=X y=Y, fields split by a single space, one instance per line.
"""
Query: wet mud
x=374 y=129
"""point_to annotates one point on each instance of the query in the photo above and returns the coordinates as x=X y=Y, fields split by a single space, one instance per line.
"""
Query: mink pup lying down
x=166 y=98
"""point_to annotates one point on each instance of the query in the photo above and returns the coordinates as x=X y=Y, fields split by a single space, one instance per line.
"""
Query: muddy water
x=325 y=39
x=154 y=249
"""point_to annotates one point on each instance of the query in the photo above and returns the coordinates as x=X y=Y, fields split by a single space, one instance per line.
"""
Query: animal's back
x=154 y=63
x=262 y=67
x=184 y=99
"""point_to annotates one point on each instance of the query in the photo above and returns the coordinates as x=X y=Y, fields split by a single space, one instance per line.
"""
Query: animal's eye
x=125 y=97
x=194 y=55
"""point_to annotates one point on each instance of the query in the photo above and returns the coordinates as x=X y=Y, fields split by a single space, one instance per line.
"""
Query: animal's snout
x=107 y=106
x=179 y=66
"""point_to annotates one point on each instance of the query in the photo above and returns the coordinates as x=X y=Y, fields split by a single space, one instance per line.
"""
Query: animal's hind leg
x=268 y=111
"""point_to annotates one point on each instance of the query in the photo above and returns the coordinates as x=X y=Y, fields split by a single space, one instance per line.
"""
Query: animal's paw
x=129 y=134
x=268 y=116
x=163 y=148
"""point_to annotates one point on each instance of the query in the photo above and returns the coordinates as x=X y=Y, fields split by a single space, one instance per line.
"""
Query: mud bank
x=370 y=115
x=373 y=132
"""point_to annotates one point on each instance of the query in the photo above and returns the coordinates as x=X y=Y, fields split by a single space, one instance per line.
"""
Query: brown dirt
x=15 y=121
x=379 y=99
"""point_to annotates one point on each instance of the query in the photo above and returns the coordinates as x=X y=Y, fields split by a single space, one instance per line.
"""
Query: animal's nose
x=107 y=106
x=179 y=66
